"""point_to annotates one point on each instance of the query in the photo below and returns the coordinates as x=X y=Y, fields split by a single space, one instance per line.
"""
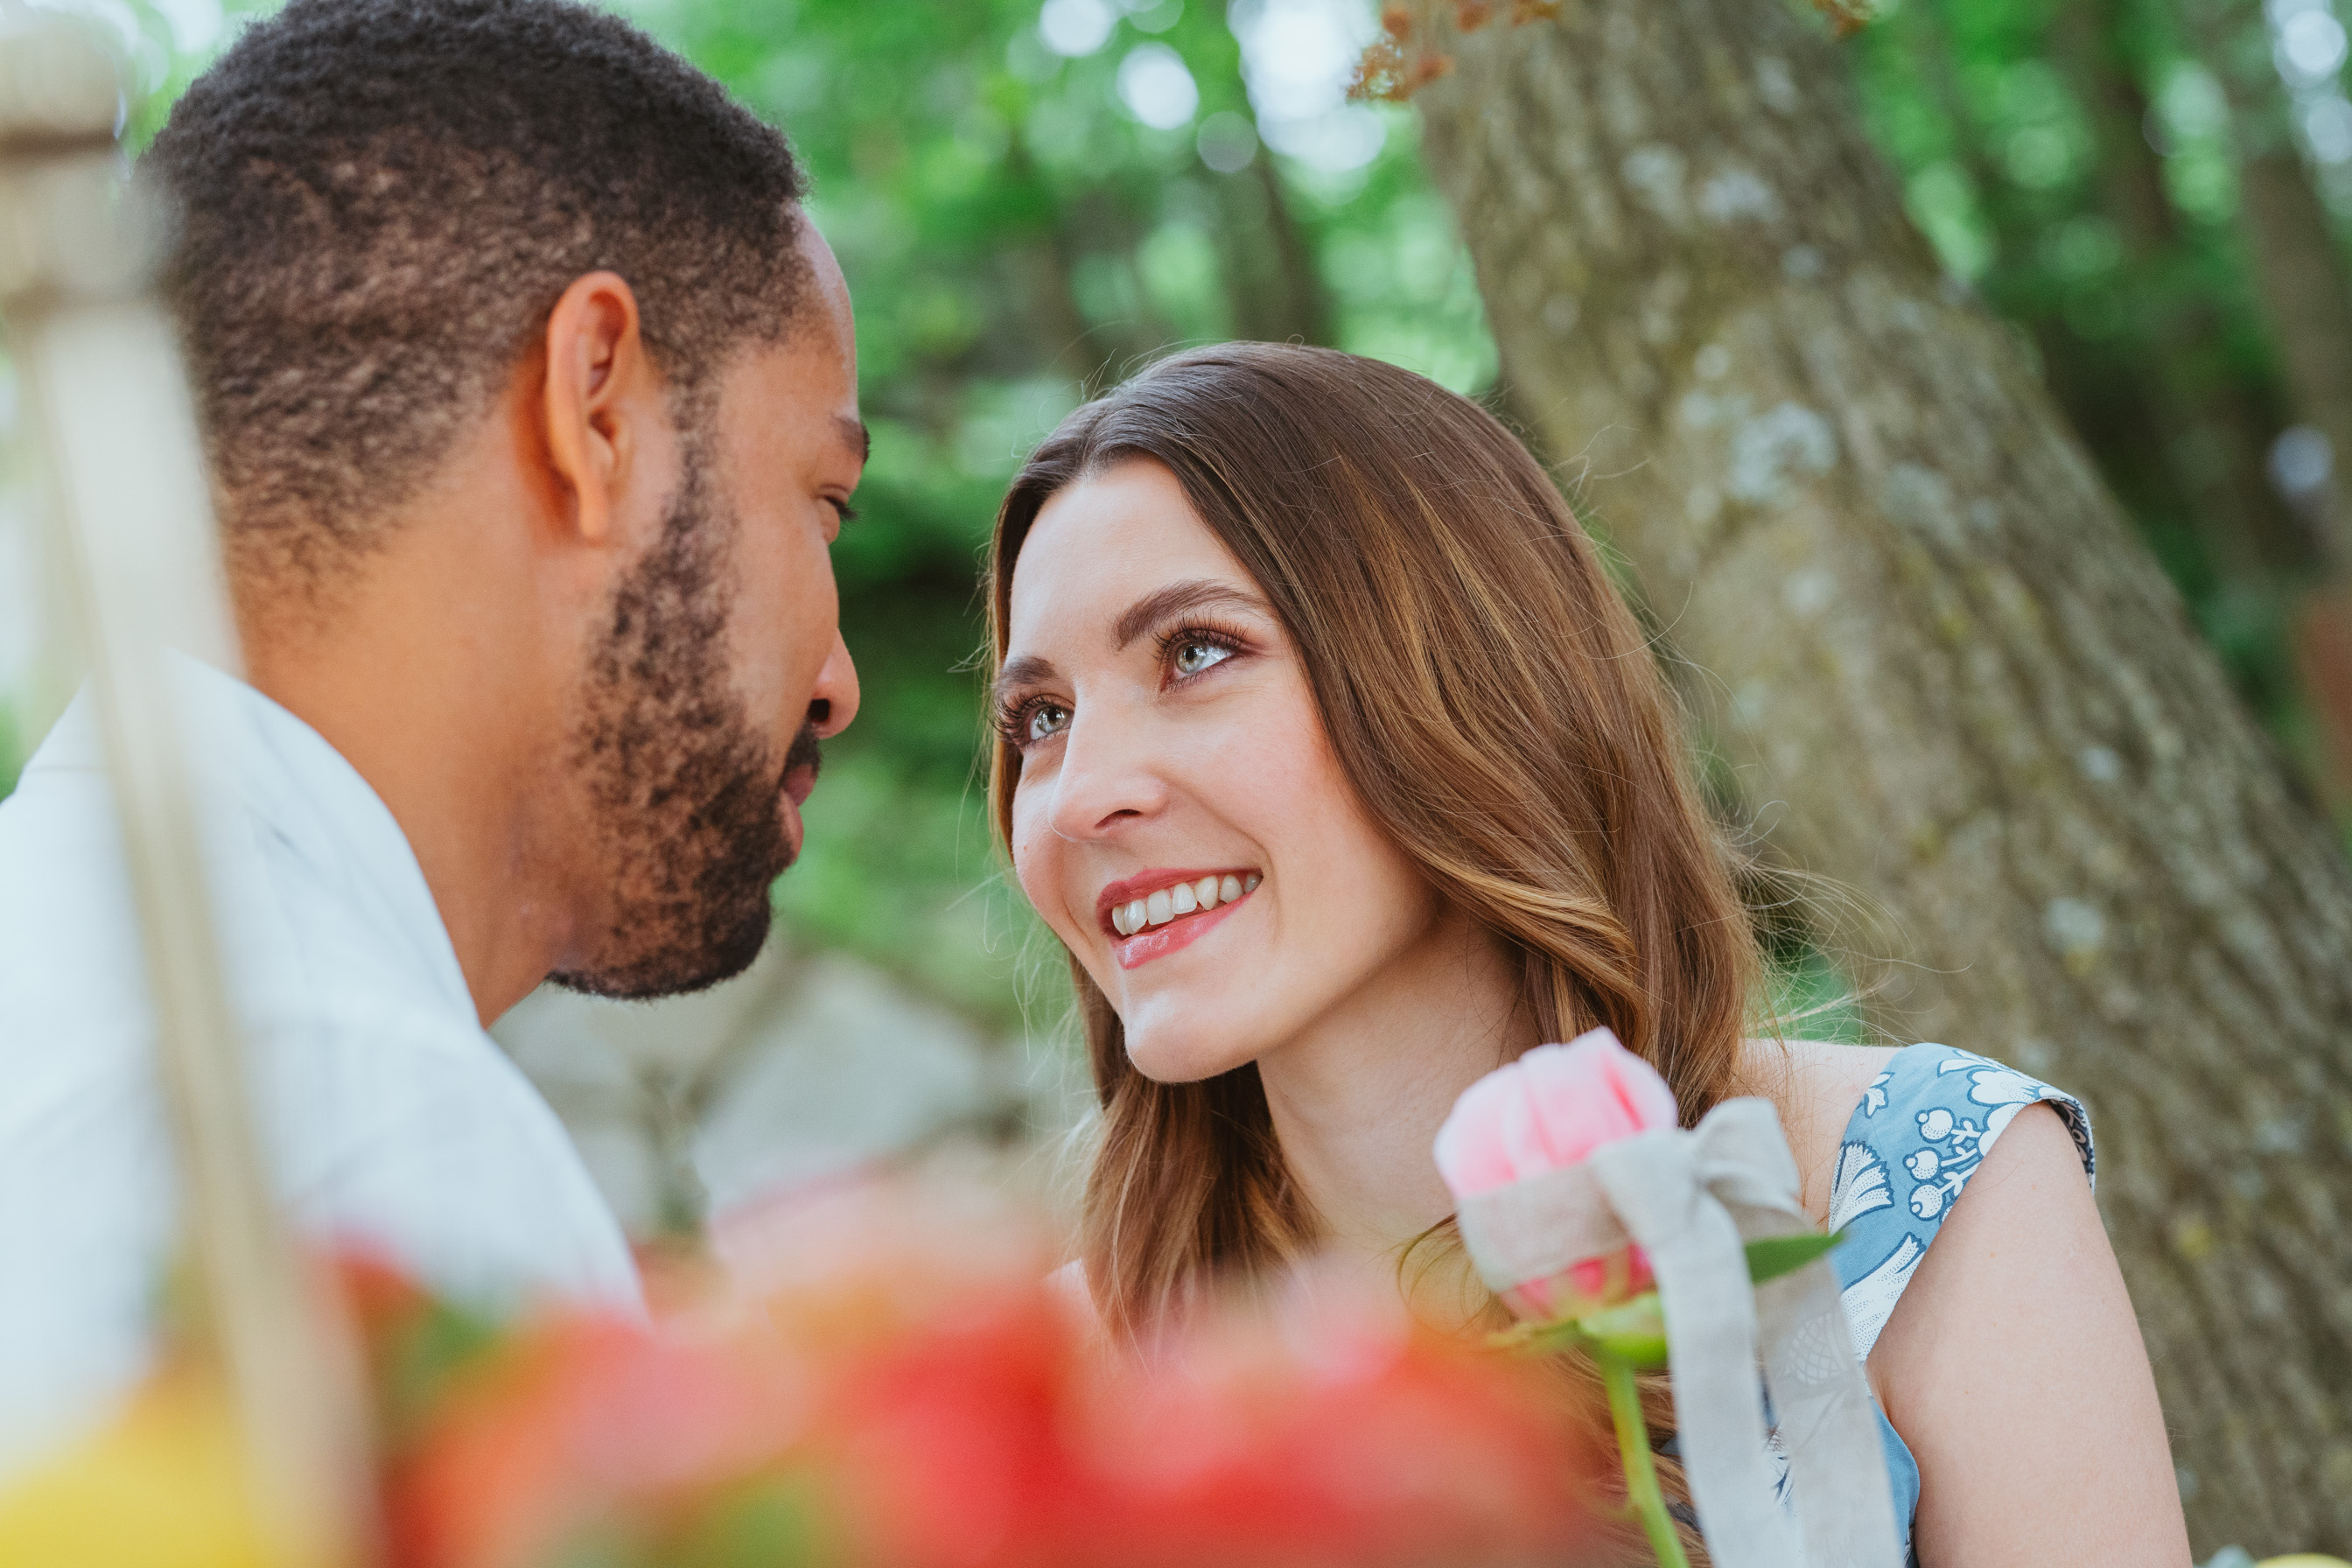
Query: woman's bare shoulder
x=1815 y=1086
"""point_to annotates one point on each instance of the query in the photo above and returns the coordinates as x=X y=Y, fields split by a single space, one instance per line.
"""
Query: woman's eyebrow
x=1177 y=598
x=1026 y=671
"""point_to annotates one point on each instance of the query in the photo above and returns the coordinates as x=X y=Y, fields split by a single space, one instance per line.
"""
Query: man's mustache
x=804 y=753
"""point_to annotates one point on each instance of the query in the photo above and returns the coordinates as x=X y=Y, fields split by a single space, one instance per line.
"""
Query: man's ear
x=600 y=391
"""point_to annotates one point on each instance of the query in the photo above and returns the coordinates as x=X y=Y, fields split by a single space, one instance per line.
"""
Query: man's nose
x=833 y=703
x=1107 y=779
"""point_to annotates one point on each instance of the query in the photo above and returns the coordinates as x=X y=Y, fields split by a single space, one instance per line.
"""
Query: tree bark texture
x=1949 y=674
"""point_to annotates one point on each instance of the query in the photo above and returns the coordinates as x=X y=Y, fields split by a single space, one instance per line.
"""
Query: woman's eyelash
x=1176 y=637
x=1013 y=715
x=1011 y=720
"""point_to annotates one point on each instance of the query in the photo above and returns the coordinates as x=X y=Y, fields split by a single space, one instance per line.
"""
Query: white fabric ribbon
x=1692 y=1199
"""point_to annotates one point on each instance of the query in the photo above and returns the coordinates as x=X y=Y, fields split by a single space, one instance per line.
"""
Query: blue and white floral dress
x=1923 y=1128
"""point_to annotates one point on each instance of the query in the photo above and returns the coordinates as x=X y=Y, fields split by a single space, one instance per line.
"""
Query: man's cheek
x=765 y=636
x=816 y=617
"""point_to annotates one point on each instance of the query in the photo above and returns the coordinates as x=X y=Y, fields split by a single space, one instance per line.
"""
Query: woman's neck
x=1358 y=1097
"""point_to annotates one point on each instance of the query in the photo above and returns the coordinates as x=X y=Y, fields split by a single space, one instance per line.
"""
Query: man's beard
x=685 y=795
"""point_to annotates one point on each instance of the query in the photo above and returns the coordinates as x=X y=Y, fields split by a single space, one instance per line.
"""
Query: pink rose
x=1545 y=1111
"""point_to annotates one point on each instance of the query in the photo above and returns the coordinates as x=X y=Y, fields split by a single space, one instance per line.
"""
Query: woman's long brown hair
x=1496 y=707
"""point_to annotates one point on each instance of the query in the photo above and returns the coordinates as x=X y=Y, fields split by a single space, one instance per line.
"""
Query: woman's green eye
x=1047 y=719
x=1193 y=658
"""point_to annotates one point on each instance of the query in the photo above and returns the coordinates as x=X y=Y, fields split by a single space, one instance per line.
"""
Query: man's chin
x=679 y=970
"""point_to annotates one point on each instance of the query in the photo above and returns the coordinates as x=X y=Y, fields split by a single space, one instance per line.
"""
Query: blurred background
x=1031 y=201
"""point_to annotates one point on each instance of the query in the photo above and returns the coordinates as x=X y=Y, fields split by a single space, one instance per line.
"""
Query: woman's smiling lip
x=1157 y=941
x=1155 y=912
x=1143 y=884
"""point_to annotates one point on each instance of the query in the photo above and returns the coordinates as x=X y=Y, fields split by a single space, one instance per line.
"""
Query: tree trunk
x=2300 y=281
x=1941 y=649
x=1270 y=277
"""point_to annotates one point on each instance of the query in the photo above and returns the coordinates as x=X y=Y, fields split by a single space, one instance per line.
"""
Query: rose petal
x=1470 y=1149
x=1548 y=1110
x=1593 y=1091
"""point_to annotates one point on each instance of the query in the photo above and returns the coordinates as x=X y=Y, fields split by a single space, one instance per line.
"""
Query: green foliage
x=1809 y=996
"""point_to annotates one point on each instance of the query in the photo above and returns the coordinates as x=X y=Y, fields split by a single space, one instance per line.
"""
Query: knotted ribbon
x=1692 y=1199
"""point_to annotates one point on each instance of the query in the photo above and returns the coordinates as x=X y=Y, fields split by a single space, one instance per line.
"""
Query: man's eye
x=1046 y=719
x=1195 y=656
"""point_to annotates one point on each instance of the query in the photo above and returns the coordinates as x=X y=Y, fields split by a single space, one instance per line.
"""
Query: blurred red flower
x=897 y=1403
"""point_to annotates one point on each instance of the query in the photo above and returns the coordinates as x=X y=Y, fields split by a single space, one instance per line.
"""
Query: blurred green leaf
x=1777 y=1255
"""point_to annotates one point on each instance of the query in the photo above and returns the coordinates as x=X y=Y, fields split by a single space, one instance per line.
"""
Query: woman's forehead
x=1103 y=542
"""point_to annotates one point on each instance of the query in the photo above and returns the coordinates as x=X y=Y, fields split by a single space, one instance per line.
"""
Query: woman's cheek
x=1038 y=868
x=1030 y=852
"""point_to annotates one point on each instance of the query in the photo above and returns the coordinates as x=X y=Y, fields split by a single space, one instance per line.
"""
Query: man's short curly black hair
x=377 y=204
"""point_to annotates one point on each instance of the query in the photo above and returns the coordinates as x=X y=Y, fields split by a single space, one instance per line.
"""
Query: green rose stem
x=1634 y=1450
x=1632 y=1335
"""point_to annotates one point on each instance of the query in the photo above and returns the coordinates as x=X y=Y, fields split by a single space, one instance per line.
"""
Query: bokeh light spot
x=1157 y=88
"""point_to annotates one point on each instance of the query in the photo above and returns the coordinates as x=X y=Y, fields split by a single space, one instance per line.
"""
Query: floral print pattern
x=1923 y=1128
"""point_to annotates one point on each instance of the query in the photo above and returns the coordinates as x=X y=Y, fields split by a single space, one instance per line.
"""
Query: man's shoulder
x=386 y=1124
x=320 y=917
x=385 y=1130
x=378 y=1074
x=401 y=1126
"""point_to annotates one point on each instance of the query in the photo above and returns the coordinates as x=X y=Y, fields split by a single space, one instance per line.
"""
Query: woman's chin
x=1168 y=1051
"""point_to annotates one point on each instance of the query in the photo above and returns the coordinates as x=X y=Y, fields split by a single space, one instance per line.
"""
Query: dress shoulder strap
x=1921 y=1130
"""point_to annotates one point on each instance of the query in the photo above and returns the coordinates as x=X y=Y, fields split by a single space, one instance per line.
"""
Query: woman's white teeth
x=1183 y=899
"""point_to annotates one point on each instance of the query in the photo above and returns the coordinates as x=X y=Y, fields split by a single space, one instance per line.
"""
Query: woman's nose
x=1108 y=778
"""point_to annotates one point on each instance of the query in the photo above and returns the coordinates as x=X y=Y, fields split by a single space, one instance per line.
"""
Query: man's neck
x=435 y=691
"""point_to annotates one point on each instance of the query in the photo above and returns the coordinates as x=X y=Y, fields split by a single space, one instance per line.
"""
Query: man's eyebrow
x=855 y=432
x=1026 y=671
x=1177 y=598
